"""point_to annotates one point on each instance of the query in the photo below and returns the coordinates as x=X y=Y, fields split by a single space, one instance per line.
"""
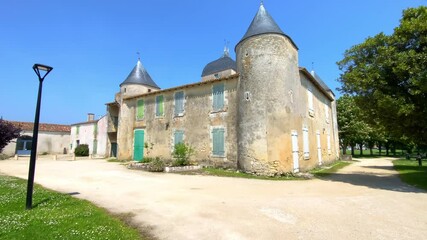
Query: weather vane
x=139 y=57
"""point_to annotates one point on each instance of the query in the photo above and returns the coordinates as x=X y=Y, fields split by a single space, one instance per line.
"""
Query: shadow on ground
x=390 y=182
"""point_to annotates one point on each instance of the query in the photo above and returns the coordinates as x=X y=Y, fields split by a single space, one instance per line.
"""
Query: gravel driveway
x=365 y=200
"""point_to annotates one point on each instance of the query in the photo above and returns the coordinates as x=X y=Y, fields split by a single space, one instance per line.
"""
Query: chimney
x=90 y=117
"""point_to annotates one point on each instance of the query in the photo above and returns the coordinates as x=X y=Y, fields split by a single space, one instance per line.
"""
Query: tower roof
x=263 y=23
x=139 y=76
x=221 y=64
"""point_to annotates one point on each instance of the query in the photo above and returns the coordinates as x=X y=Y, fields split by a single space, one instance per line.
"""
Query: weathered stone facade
x=269 y=118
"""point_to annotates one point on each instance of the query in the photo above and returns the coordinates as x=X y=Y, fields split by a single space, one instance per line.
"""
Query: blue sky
x=92 y=45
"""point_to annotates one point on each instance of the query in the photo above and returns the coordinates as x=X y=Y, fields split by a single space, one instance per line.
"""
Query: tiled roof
x=263 y=23
x=45 y=127
x=139 y=75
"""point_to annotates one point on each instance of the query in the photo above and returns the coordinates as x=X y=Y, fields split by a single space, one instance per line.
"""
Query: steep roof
x=221 y=64
x=139 y=76
x=43 y=127
x=263 y=23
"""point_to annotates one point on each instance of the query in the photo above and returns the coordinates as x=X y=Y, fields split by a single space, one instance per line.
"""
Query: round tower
x=267 y=60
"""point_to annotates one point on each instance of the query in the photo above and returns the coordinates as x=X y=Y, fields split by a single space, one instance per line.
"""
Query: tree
x=8 y=131
x=388 y=74
x=352 y=128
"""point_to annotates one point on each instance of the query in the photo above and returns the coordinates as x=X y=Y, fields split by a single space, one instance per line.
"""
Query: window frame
x=140 y=115
x=215 y=137
x=218 y=100
x=160 y=107
x=179 y=112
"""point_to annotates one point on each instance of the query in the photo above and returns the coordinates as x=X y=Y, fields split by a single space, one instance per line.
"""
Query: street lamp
x=42 y=71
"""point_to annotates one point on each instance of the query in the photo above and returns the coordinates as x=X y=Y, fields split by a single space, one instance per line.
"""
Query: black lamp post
x=42 y=71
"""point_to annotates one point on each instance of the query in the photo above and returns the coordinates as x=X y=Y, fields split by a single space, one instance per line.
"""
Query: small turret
x=138 y=81
x=222 y=67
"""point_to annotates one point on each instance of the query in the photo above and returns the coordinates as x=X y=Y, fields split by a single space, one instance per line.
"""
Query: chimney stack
x=90 y=117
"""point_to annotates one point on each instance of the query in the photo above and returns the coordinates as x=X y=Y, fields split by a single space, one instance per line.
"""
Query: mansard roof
x=139 y=76
x=263 y=23
x=221 y=64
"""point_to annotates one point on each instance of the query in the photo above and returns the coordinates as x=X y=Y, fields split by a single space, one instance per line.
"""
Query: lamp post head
x=40 y=68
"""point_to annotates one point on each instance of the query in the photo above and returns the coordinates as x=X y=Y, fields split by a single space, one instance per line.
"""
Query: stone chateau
x=261 y=113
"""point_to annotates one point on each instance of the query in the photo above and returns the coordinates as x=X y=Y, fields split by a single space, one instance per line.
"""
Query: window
x=218 y=96
x=310 y=101
x=218 y=147
x=77 y=143
x=306 y=143
x=116 y=121
x=216 y=75
x=77 y=130
x=159 y=106
x=328 y=141
x=178 y=137
x=179 y=103
x=139 y=109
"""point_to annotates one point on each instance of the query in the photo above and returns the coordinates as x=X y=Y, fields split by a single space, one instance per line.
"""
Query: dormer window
x=216 y=75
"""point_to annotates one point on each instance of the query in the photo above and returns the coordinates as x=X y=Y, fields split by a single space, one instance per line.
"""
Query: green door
x=138 y=145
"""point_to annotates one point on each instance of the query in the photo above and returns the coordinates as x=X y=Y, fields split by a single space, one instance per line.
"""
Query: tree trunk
x=379 y=149
x=352 y=150
x=361 y=149
x=371 y=151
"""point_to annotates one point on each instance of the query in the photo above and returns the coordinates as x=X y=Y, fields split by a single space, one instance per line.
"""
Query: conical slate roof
x=263 y=23
x=139 y=76
x=221 y=64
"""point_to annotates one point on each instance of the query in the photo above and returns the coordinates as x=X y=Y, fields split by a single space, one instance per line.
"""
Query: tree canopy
x=7 y=132
x=388 y=76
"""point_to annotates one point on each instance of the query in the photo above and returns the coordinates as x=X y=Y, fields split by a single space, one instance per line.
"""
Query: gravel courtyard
x=365 y=200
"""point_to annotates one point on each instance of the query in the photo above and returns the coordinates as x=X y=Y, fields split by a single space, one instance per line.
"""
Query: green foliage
x=327 y=170
x=156 y=165
x=182 y=153
x=388 y=75
x=54 y=216
x=8 y=131
x=82 y=150
x=238 y=174
x=3 y=156
x=411 y=173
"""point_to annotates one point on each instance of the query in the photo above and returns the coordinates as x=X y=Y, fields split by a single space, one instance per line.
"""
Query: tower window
x=218 y=96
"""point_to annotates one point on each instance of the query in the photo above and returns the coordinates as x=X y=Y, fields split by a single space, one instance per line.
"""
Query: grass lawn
x=411 y=173
x=324 y=171
x=237 y=174
x=54 y=216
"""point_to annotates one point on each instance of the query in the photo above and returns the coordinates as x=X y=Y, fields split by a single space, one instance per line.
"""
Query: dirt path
x=365 y=200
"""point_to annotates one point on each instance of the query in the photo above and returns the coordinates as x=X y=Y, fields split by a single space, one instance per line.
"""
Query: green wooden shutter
x=179 y=137
x=95 y=146
x=159 y=105
x=138 y=145
x=95 y=130
x=218 y=96
x=218 y=142
x=179 y=103
x=140 y=109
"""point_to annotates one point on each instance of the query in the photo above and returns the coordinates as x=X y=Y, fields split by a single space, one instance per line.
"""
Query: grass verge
x=411 y=173
x=325 y=171
x=237 y=174
x=55 y=216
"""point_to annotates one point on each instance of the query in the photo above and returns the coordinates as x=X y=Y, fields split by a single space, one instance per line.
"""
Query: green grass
x=411 y=173
x=325 y=171
x=237 y=174
x=54 y=216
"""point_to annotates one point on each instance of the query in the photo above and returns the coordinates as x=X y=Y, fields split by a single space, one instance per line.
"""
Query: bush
x=3 y=156
x=182 y=153
x=82 y=150
x=156 y=165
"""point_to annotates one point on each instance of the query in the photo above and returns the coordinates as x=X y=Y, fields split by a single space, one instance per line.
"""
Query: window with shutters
x=218 y=142
x=178 y=137
x=77 y=130
x=218 y=97
x=140 y=109
x=179 y=103
x=310 y=101
x=306 y=143
x=159 y=106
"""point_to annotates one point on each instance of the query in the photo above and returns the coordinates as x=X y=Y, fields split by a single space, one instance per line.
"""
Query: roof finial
x=312 y=66
x=262 y=3
x=139 y=57
x=226 y=49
